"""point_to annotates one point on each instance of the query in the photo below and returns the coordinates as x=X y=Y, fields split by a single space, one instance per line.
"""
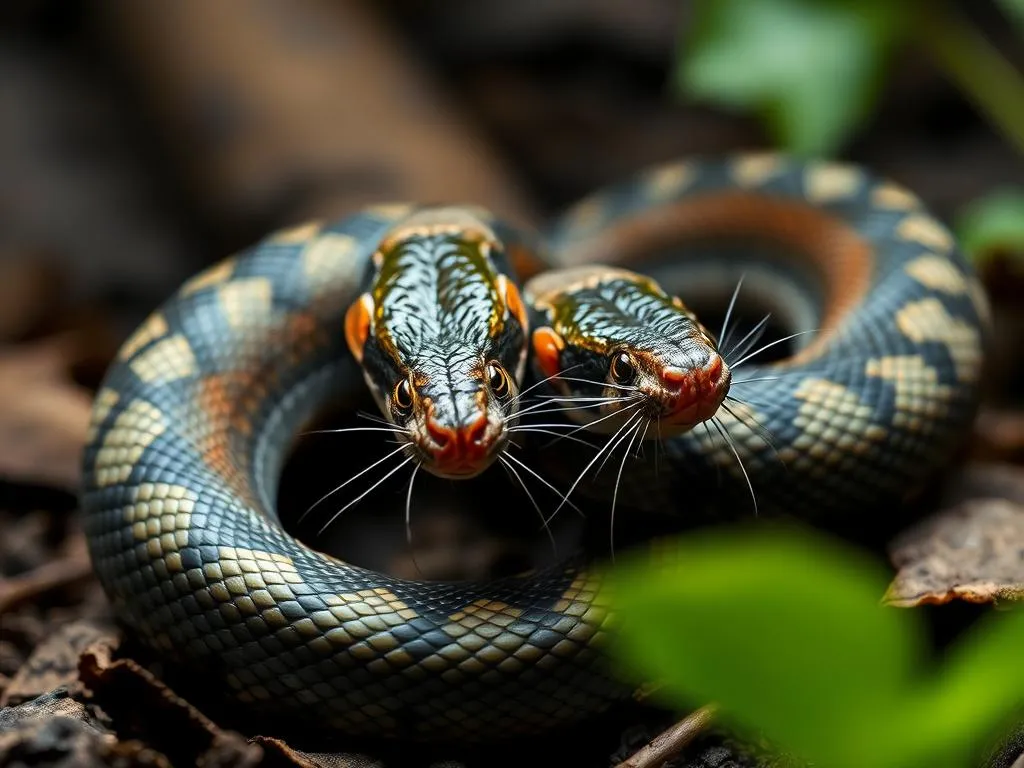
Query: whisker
x=732 y=446
x=545 y=380
x=374 y=417
x=637 y=425
x=615 y=493
x=545 y=406
x=770 y=344
x=607 y=446
x=393 y=429
x=722 y=335
x=757 y=427
x=536 y=506
x=554 y=490
x=759 y=378
x=589 y=424
x=327 y=495
x=408 y=519
x=718 y=468
x=624 y=387
x=365 y=493
x=557 y=435
x=756 y=332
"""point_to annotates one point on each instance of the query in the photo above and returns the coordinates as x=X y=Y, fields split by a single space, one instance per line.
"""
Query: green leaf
x=1014 y=9
x=993 y=224
x=810 y=67
x=785 y=631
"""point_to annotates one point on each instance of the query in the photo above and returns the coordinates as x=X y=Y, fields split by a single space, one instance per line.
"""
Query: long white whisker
x=327 y=495
x=615 y=493
x=589 y=424
x=734 y=382
x=536 y=506
x=393 y=429
x=545 y=381
x=365 y=493
x=624 y=387
x=408 y=517
x=738 y=363
x=609 y=454
x=557 y=435
x=553 y=489
x=756 y=332
x=546 y=406
x=722 y=335
x=757 y=426
x=607 y=446
x=732 y=446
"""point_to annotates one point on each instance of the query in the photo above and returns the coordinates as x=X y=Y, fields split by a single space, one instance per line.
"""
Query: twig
x=74 y=566
x=670 y=742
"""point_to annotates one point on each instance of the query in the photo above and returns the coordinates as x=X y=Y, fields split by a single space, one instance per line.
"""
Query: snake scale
x=194 y=420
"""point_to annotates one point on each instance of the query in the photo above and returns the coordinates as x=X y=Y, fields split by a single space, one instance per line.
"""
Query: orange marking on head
x=547 y=349
x=513 y=301
x=358 y=320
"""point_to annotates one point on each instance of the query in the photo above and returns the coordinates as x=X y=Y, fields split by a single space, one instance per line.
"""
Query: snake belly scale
x=194 y=420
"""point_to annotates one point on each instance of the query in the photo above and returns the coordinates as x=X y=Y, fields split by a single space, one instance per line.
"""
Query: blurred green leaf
x=810 y=67
x=1014 y=9
x=785 y=631
x=993 y=224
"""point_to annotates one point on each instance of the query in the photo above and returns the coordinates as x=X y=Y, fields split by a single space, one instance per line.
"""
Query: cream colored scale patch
x=133 y=431
x=167 y=360
x=834 y=423
x=927 y=320
x=920 y=398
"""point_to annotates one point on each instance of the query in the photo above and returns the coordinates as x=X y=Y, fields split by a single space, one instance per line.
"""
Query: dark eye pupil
x=497 y=379
x=622 y=368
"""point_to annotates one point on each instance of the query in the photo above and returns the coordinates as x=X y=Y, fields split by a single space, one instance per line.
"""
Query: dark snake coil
x=192 y=425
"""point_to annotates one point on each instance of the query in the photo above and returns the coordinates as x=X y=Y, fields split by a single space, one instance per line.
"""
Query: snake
x=195 y=418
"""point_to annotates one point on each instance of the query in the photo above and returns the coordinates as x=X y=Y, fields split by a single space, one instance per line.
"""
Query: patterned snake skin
x=195 y=418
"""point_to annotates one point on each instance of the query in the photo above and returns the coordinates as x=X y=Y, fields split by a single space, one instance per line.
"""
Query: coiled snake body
x=192 y=424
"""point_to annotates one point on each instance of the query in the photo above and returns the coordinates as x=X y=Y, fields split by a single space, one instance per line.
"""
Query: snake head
x=636 y=353
x=442 y=338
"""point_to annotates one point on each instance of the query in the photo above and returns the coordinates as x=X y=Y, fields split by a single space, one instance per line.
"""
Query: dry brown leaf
x=138 y=703
x=54 y=662
x=973 y=552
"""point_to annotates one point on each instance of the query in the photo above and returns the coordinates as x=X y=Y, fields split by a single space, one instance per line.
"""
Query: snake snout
x=461 y=450
x=693 y=395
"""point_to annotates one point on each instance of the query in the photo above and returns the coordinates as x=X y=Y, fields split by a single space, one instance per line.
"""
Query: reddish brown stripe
x=843 y=258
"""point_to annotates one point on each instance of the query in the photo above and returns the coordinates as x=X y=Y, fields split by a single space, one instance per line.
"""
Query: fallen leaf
x=973 y=552
x=54 y=662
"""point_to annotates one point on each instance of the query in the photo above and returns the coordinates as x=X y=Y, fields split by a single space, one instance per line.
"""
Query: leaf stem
x=987 y=78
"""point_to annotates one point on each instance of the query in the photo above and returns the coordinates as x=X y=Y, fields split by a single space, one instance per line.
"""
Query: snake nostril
x=674 y=377
x=476 y=431
x=713 y=370
x=440 y=434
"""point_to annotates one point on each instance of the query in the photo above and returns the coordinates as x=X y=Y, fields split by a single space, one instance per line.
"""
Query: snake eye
x=497 y=379
x=622 y=369
x=401 y=398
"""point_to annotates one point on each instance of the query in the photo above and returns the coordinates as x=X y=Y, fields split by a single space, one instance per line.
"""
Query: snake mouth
x=462 y=452
x=692 y=396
